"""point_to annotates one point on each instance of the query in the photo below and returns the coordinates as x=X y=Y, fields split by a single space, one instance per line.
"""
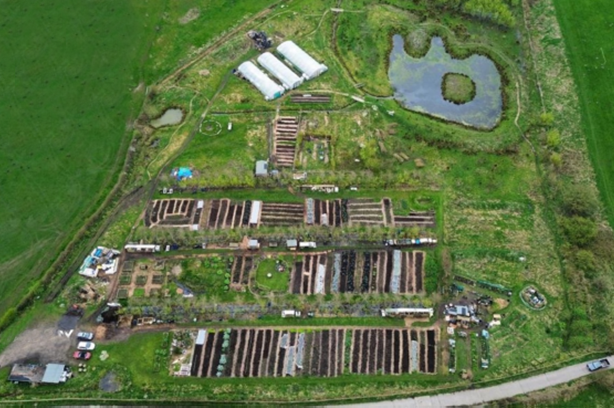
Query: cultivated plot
x=269 y=352
x=397 y=272
x=225 y=213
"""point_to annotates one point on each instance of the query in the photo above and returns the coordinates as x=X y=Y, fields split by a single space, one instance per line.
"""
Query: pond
x=171 y=116
x=417 y=84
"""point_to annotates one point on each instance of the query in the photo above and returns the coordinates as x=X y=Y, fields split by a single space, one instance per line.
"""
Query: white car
x=86 y=345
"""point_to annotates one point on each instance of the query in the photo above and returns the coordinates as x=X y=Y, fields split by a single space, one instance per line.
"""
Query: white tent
x=300 y=59
x=279 y=70
x=269 y=88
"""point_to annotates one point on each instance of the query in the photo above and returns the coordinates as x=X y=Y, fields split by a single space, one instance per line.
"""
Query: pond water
x=171 y=116
x=417 y=84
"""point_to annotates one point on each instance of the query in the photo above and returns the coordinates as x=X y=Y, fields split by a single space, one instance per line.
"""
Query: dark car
x=85 y=336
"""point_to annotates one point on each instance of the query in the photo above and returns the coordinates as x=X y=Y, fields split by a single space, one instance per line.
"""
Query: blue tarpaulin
x=183 y=173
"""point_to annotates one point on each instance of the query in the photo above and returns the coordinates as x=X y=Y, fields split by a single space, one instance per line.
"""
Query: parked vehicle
x=86 y=345
x=290 y=313
x=598 y=364
x=85 y=336
x=82 y=355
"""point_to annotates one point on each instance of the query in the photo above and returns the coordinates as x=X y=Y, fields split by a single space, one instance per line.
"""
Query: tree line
x=496 y=11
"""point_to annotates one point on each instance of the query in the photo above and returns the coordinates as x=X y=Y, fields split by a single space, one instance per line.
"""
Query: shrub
x=579 y=231
x=553 y=138
x=546 y=119
x=585 y=261
x=556 y=159
x=578 y=200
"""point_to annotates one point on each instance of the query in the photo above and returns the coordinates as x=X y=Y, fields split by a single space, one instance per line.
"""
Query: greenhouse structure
x=301 y=60
x=279 y=70
x=269 y=88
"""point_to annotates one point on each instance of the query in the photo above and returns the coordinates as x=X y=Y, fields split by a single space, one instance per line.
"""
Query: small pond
x=417 y=84
x=171 y=116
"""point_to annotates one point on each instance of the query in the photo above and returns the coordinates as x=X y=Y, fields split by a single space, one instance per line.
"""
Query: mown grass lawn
x=67 y=93
x=587 y=31
x=277 y=282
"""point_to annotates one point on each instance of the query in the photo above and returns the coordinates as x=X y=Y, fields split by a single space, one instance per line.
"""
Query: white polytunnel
x=269 y=88
x=279 y=70
x=301 y=60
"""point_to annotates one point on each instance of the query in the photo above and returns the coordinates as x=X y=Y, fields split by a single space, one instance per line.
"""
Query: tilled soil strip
x=249 y=358
x=274 y=353
x=325 y=357
x=397 y=351
x=422 y=353
x=356 y=350
x=419 y=270
x=244 y=354
x=340 y=351
x=405 y=351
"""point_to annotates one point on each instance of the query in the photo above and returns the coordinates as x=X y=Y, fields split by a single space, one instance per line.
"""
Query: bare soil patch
x=502 y=303
x=191 y=15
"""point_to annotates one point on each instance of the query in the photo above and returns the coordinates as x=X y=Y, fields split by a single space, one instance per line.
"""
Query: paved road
x=488 y=394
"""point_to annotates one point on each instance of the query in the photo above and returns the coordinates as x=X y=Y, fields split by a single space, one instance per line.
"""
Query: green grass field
x=67 y=94
x=587 y=31
x=594 y=396
x=188 y=25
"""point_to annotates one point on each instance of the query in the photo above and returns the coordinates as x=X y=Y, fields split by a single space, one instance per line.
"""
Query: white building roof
x=253 y=244
x=200 y=339
x=262 y=168
x=279 y=70
x=269 y=88
x=300 y=59
x=254 y=214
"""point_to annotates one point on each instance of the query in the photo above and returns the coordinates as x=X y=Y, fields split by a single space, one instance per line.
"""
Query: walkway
x=488 y=394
